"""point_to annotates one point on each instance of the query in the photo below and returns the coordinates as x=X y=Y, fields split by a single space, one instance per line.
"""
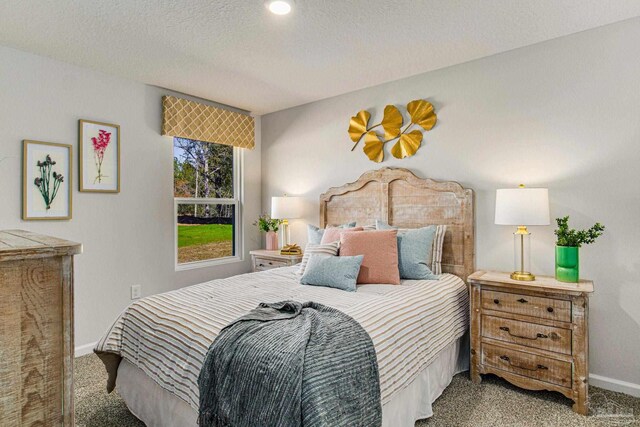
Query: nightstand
x=266 y=260
x=533 y=334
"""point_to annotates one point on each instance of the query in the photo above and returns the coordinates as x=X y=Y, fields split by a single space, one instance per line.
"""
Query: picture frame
x=99 y=157
x=47 y=181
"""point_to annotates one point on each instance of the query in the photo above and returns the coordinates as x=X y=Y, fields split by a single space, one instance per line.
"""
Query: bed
x=154 y=350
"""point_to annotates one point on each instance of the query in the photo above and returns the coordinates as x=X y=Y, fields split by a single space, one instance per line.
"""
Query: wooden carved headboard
x=403 y=200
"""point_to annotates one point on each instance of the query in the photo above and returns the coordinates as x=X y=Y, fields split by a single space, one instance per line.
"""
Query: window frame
x=236 y=201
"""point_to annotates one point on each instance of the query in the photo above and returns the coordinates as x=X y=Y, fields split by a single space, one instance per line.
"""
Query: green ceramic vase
x=567 y=264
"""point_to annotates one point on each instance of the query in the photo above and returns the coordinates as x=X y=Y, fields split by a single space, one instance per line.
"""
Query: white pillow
x=328 y=249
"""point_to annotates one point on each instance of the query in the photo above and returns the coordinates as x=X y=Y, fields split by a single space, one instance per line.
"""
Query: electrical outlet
x=136 y=291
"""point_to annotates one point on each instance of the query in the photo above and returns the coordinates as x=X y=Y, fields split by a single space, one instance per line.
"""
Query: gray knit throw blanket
x=291 y=364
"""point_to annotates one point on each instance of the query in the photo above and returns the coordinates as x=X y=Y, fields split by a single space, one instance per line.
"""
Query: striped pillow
x=436 y=253
x=435 y=264
x=327 y=249
x=368 y=227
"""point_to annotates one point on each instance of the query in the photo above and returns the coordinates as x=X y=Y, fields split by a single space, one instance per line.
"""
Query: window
x=207 y=205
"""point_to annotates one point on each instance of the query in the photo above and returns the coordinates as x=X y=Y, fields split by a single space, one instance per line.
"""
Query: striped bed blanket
x=289 y=364
x=167 y=335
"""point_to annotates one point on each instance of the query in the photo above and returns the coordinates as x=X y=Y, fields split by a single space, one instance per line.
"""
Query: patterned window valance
x=188 y=119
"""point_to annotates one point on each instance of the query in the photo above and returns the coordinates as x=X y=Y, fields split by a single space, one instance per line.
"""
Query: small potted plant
x=567 y=248
x=270 y=226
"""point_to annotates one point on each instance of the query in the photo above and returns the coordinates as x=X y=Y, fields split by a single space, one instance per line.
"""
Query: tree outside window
x=206 y=203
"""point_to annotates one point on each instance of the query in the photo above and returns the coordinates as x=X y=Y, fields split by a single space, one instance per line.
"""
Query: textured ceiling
x=235 y=52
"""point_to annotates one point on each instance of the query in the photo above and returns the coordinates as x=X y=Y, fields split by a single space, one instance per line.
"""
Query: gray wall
x=128 y=238
x=564 y=114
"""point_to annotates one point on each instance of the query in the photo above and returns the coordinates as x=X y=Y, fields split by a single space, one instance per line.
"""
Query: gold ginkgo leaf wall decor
x=408 y=142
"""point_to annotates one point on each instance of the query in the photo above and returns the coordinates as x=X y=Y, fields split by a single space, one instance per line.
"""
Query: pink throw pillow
x=332 y=234
x=380 y=250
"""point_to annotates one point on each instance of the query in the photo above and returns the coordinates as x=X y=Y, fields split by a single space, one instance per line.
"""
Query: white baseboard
x=83 y=350
x=614 y=385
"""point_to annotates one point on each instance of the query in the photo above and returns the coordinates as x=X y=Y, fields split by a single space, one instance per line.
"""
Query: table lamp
x=286 y=208
x=522 y=207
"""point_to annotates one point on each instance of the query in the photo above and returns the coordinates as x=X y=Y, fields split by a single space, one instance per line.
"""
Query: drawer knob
x=522 y=301
x=496 y=301
x=270 y=263
x=550 y=309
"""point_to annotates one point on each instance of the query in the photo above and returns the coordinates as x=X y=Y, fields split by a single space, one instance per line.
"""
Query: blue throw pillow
x=314 y=234
x=381 y=225
x=415 y=248
x=338 y=272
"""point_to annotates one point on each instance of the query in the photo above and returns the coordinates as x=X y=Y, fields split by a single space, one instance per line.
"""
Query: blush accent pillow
x=380 y=250
x=338 y=272
x=332 y=234
x=314 y=234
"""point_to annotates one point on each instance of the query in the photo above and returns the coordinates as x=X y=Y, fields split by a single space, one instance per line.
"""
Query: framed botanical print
x=46 y=181
x=99 y=157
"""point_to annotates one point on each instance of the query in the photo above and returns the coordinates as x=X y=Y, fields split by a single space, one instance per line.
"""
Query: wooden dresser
x=266 y=260
x=533 y=334
x=36 y=329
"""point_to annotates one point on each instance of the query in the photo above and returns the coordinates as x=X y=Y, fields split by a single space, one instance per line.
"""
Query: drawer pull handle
x=537 y=367
x=506 y=329
x=496 y=301
x=550 y=309
x=270 y=263
x=522 y=300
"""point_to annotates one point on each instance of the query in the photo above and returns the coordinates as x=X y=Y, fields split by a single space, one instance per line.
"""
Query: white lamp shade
x=286 y=207
x=522 y=206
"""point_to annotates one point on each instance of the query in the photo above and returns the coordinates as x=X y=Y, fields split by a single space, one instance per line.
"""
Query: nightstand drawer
x=529 y=365
x=266 y=264
x=527 y=334
x=544 y=308
x=262 y=260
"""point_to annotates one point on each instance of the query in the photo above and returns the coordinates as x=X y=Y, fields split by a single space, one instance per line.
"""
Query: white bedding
x=166 y=336
x=156 y=407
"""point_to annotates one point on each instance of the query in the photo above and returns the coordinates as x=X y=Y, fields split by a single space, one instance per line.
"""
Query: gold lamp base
x=523 y=276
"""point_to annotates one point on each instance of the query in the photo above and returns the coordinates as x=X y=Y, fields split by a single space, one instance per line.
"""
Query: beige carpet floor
x=492 y=403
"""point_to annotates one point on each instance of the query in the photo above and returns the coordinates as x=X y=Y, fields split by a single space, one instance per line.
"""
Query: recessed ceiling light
x=279 y=7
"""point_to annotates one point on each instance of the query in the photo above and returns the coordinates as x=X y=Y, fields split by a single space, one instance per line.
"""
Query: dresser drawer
x=528 y=365
x=541 y=307
x=267 y=264
x=527 y=334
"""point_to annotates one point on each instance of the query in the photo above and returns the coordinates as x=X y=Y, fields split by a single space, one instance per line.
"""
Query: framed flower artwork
x=46 y=181
x=99 y=157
